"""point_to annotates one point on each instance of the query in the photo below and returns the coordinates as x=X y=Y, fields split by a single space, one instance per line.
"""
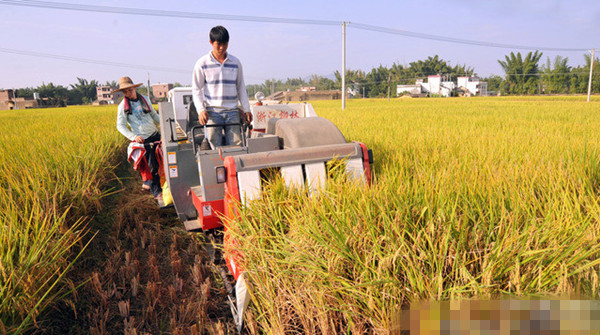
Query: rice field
x=472 y=198
x=53 y=165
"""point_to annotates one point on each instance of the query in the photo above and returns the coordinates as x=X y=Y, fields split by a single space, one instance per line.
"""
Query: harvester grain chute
x=206 y=184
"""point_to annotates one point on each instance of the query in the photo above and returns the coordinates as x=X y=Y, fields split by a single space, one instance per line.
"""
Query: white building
x=435 y=85
x=411 y=89
x=472 y=85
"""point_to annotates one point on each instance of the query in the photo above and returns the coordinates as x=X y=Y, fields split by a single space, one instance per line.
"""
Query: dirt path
x=141 y=274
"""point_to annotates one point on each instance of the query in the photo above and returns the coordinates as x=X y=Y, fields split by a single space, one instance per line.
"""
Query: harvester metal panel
x=315 y=176
x=288 y=157
x=355 y=169
x=262 y=114
x=249 y=185
x=308 y=132
x=265 y=142
x=180 y=168
x=207 y=161
x=293 y=175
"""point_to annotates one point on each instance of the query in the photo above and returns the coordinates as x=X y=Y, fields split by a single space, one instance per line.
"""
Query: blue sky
x=277 y=50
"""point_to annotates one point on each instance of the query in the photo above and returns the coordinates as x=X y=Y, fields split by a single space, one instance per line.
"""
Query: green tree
x=521 y=74
x=377 y=82
x=556 y=78
x=294 y=83
x=321 y=83
x=494 y=83
x=462 y=71
x=580 y=76
x=26 y=92
x=253 y=88
x=56 y=95
x=437 y=66
x=430 y=66
x=355 y=81
x=84 y=89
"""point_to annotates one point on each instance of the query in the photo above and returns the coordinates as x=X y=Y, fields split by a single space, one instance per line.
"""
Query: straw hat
x=125 y=82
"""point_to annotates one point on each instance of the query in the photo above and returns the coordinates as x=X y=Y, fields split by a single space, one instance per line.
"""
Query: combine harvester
x=206 y=185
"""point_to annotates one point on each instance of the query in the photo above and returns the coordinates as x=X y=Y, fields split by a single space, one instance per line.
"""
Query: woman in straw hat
x=137 y=120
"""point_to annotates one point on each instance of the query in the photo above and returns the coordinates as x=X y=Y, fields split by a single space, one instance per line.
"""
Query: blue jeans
x=233 y=135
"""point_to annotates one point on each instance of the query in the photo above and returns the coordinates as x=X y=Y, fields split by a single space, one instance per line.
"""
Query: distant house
x=160 y=91
x=472 y=85
x=8 y=100
x=410 y=89
x=106 y=97
x=435 y=85
x=6 y=95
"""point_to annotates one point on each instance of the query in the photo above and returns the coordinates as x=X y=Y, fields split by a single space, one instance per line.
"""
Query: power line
x=192 y=15
x=163 y=13
x=455 y=40
x=91 y=61
x=195 y=15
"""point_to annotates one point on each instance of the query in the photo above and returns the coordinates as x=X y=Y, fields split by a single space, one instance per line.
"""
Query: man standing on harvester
x=137 y=120
x=217 y=87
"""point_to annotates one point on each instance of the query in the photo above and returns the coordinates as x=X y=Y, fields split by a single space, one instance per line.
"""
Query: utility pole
x=389 y=84
x=149 y=91
x=344 y=65
x=591 y=70
x=15 y=97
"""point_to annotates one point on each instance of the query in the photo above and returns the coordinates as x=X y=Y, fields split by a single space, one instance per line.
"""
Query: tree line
x=522 y=75
x=82 y=92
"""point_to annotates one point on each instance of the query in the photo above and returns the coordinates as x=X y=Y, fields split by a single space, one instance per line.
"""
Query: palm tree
x=521 y=74
x=556 y=78
x=115 y=84
x=86 y=89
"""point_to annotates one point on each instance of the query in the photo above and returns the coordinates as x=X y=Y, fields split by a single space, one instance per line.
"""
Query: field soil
x=142 y=273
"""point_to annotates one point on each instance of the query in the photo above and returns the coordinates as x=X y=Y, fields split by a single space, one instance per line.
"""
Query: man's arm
x=198 y=80
x=243 y=94
x=241 y=90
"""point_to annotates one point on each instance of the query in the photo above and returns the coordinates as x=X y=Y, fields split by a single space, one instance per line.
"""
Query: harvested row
x=142 y=274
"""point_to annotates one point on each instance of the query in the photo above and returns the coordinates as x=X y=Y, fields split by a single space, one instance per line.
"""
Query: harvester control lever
x=171 y=120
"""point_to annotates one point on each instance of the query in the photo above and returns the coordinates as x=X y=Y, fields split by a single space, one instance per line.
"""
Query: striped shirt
x=217 y=86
